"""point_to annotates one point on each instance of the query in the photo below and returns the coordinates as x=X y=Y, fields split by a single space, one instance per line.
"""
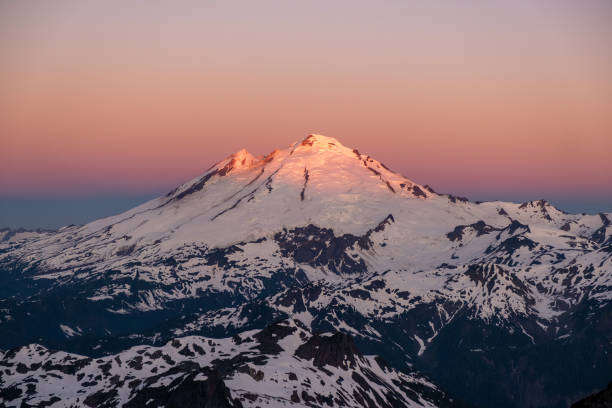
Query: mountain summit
x=493 y=300
x=318 y=165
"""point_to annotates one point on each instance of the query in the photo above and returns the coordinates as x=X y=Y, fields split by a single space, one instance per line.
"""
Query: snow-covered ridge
x=283 y=365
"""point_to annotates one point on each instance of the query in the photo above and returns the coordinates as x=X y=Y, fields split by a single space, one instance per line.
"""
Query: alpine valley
x=313 y=276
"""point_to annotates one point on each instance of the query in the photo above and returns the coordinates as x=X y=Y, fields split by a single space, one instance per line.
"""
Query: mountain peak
x=320 y=141
x=242 y=159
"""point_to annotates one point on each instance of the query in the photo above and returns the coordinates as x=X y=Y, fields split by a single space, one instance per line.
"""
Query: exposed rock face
x=337 y=350
x=320 y=247
x=186 y=391
x=479 y=227
x=269 y=337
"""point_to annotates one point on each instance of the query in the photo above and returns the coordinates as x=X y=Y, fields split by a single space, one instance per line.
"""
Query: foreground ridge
x=281 y=365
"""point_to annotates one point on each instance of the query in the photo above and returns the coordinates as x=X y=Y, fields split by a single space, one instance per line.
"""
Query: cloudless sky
x=111 y=102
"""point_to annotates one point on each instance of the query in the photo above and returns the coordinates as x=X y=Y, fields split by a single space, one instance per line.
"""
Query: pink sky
x=481 y=97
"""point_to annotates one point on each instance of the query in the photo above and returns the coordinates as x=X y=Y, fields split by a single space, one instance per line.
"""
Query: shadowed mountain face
x=498 y=304
x=602 y=399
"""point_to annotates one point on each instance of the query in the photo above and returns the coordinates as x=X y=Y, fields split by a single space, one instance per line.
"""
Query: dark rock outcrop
x=337 y=350
x=187 y=392
x=268 y=338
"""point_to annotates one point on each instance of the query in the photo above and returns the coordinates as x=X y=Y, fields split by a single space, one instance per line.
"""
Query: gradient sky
x=489 y=99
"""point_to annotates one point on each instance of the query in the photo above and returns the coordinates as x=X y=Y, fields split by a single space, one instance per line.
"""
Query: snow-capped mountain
x=501 y=304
